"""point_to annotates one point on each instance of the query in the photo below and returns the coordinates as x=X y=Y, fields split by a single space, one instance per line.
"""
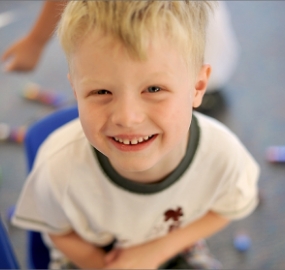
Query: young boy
x=139 y=170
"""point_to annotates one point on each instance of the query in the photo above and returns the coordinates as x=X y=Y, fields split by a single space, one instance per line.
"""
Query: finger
x=11 y=66
x=6 y=54
x=111 y=256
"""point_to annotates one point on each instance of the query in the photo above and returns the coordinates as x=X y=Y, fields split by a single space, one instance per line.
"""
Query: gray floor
x=255 y=112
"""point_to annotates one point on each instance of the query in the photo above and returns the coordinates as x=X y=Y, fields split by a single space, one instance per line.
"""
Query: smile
x=133 y=141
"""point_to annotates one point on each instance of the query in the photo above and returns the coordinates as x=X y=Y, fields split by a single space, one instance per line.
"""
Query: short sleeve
x=40 y=207
x=239 y=195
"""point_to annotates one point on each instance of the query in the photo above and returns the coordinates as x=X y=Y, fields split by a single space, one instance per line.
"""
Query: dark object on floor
x=177 y=262
x=212 y=102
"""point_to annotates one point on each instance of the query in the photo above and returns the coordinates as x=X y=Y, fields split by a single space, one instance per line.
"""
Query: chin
x=135 y=167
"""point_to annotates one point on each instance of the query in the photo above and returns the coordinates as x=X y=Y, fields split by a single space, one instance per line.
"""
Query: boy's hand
x=153 y=254
x=22 y=55
x=144 y=256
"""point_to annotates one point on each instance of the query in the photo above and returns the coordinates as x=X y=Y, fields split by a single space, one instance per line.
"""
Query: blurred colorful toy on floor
x=242 y=242
x=276 y=154
x=12 y=134
x=34 y=92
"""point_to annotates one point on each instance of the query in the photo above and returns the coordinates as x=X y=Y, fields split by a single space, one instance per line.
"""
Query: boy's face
x=137 y=113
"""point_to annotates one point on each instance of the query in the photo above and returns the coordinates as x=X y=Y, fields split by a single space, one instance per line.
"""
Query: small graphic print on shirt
x=175 y=218
x=169 y=220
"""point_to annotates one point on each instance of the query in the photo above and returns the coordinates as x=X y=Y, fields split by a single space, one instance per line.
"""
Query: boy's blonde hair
x=135 y=22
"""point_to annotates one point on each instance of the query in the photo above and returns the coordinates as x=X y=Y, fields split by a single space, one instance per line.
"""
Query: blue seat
x=40 y=130
x=38 y=255
x=7 y=255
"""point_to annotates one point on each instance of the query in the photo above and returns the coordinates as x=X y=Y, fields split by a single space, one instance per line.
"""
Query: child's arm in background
x=25 y=53
x=80 y=252
x=153 y=254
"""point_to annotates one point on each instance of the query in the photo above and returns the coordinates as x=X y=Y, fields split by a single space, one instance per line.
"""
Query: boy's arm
x=81 y=253
x=25 y=53
x=154 y=253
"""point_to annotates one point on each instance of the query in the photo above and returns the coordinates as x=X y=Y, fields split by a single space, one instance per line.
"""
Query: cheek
x=87 y=127
x=90 y=122
x=181 y=116
x=174 y=118
x=178 y=111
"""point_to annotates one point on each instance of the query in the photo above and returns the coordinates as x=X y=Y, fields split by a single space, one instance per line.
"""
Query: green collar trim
x=174 y=176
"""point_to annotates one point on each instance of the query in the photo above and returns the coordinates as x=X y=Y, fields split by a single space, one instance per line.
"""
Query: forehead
x=157 y=49
x=98 y=46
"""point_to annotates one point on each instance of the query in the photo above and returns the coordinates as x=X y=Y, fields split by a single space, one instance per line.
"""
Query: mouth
x=133 y=141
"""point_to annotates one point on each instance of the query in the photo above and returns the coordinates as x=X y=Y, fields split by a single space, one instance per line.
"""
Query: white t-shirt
x=68 y=189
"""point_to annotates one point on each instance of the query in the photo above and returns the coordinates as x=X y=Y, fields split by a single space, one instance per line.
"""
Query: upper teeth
x=133 y=141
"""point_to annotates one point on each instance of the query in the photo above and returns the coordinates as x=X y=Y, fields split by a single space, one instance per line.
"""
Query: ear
x=71 y=83
x=201 y=85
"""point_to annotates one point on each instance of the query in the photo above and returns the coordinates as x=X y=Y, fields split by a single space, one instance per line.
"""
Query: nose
x=128 y=111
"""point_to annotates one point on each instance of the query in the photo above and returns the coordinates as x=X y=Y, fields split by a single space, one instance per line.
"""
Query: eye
x=103 y=92
x=153 y=89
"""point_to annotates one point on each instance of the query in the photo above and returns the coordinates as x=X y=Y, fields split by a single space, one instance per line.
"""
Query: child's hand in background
x=23 y=55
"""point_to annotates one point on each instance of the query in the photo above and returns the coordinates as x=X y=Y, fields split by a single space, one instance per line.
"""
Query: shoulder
x=215 y=133
x=207 y=124
x=220 y=145
x=66 y=139
x=65 y=152
x=228 y=168
x=66 y=134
